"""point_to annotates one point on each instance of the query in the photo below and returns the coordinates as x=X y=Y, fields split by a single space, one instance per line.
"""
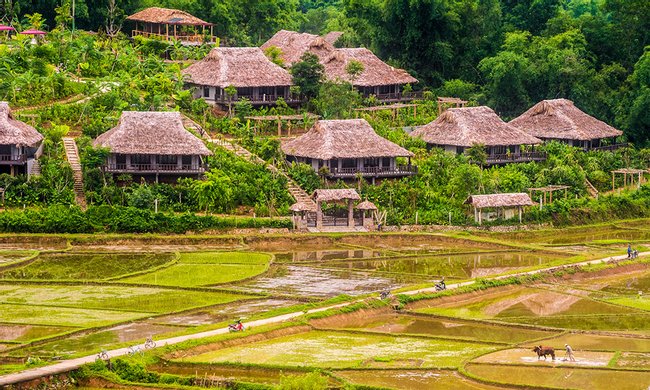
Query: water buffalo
x=543 y=351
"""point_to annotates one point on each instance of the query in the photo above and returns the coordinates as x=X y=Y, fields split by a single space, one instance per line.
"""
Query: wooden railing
x=400 y=170
x=515 y=157
x=260 y=99
x=154 y=168
x=195 y=38
x=608 y=148
x=11 y=159
x=399 y=96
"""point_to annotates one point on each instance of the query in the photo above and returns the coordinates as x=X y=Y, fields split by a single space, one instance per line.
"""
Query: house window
x=206 y=92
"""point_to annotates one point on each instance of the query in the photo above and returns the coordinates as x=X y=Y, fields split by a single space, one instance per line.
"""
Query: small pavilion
x=367 y=208
x=346 y=196
x=395 y=108
x=631 y=173
x=495 y=206
x=171 y=25
x=304 y=118
x=548 y=190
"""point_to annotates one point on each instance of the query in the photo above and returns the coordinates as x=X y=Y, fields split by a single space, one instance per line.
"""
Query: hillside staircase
x=294 y=189
x=72 y=155
x=593 y=192
x=35 y=169
x=191 y=125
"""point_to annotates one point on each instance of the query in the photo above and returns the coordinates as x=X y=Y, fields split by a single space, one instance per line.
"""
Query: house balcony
x=397 y=97
x=351 y=173
x=259 y=100
x=13 y=159
x=607 y=148
x=173 y=169
x=192 y=39
x=496 y=159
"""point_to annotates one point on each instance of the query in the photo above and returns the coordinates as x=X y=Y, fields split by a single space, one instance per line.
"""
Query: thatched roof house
x=294 y=44
x=152 y=132
x=375 y=71
x=14 y=132
x=20 y=144
x=377 y=78
x=560 y=119
x=152 y=143
x=171 y=25
x=493 y=206
x=246 y=68
x=348 y=147
x=457 y=129
x=160 y=15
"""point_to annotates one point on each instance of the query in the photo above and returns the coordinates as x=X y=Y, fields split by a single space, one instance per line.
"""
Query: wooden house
x=378 y=78
x=561 y=120
x=498 y=206
x=247 y=69
x=348 y=148
x=171 y=25
x=20 y=144
x=458 y=129
x=153 y=145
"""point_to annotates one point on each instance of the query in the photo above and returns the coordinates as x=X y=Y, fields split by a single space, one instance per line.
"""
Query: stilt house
x=20 y=144
x=171 y=25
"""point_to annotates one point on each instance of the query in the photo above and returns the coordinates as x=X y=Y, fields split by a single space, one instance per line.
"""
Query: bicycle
x=134 y=350
x=149 y=343
x=102 y=355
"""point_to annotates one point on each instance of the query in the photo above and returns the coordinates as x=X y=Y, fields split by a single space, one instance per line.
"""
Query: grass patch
x=140 y=299
x=207 y=268
x=63 y=316
x=86 y=266
x=345 y=350
x=27 y=333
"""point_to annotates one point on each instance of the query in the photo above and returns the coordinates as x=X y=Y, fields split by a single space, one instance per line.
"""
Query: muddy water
x=222 y=313
x=28 y=332
x=411 y=380
x=454 y=265
x=563 y=377
x=405 y=324
x=528 y=357
x=306 y=281
x=631 y=285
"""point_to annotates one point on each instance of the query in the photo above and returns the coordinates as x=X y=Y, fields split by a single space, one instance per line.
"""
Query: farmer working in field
x=569 y=353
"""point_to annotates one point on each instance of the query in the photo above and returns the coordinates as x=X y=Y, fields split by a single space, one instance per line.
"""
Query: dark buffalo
x=543 y=351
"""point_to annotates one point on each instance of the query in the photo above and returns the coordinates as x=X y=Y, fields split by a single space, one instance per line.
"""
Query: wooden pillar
x=550 y=196
x=519 y=214
x=279 y=127
x=350 y=213
x=612 y=181
x=480 y=217
x=319 y=216
x=415 y=111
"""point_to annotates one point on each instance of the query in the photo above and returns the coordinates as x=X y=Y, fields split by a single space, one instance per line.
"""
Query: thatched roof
x=375 y=71
x=324 y=195
x=13 y=132
x=332 y=36
x=366 y=205
x=349 y=138
x=167 y=16
x=561 y=119
x=472 y=125
x=294 y=44
x=144 y=132
x=499 y=200
x=303 y=206
x=239 y=67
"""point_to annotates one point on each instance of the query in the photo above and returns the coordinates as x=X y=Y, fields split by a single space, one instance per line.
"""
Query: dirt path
x=73 y=364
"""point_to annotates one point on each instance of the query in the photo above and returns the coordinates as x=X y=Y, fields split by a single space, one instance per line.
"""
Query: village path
x=73 y=364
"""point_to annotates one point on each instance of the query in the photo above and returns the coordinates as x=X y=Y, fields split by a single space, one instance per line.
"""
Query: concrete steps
x=35 y=169
x=593 y=192
x=72 y=155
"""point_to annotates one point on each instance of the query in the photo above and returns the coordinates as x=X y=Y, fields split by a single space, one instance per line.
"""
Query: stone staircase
x=190 y=124
x=72 y=155
x=593 y=192
x=294 y=189
x=35 y=169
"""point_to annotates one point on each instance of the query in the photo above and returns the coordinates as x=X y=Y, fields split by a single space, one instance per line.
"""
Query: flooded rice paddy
x=119 y=296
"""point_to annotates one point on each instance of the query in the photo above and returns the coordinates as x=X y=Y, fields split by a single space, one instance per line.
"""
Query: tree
x=230 y=91
x=64 y=15
x=477 y=154
x=336 y=100
x=114 y=19
x=354 y=69
x=274 y=54
x=308 y=74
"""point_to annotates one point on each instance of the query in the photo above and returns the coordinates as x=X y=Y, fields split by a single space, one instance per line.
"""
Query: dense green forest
x=505 y=54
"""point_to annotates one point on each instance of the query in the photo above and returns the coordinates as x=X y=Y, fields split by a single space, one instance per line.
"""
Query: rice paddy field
x=59 y=302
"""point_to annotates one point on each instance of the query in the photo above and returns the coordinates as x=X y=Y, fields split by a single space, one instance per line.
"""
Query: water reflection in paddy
x=454 y=265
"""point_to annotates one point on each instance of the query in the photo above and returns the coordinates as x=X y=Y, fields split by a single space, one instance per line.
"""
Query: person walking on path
x=569 y=353
x=629 y=250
